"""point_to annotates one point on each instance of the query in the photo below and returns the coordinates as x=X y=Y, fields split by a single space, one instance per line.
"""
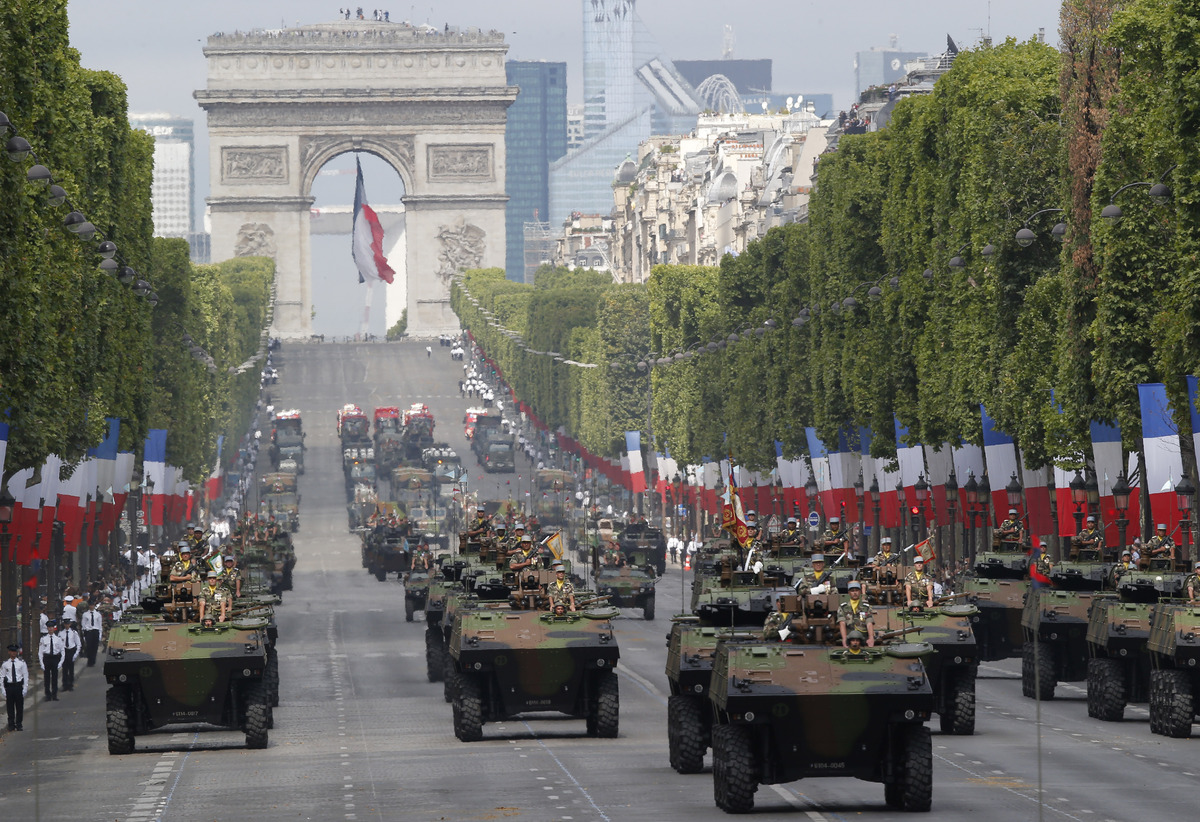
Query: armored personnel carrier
x=783 y=712
x=737 y=598
x=416 y=589
x=1174 y=647
x=997 y=626
x=163 y=673
x=1118 y=668
x=385 y=553
x=510 y=663
x=1055 y=624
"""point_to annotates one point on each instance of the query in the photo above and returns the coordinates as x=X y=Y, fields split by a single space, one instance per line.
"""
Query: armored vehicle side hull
x=1174 y=647
x=997 y=626
x=1118 y=669
x=1055 y=624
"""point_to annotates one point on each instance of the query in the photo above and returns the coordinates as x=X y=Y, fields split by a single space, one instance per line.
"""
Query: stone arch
x=316 y=151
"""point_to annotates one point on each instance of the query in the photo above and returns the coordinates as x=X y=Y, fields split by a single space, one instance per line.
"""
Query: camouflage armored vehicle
x=416 y=589
x=1084 y=570
x=737 y=598
x=165 y=673
x=385 y=551
x=783 y=712
x=1055 y=624
x=997 y=626
x=953 y=666
x=1118 y=668
x=644 y=544
x=510 y=663
x=1174 y=657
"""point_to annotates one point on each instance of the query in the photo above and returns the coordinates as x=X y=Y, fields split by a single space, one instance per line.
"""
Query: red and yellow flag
x=733 y=517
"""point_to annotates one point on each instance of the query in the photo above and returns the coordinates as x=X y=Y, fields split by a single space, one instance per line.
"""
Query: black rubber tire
x=408 y=610
x=1037 y=663
x=257 y=717
x=468 y=710
x=735 y=770
x=434 y=667
x=1106 y=689
x=380 y=574
x=687 y=739
x=893 y=795
x=648 y=609
x=608 y=705
x=271 y=677
x=1155 y=705
x=1176 y=705
x=916 y=785
x=449 y=676
x=959 y=716
x=119 y=721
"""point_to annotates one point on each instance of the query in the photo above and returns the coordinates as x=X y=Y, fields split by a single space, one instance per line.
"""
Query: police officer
x=14 y=676
x=918 y=586
x=72 y=645
x=50 y=652
x=92 y=624
x=855 y=614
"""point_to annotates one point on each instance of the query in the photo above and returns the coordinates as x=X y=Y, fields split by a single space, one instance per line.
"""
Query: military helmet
x=832 y=520
x=526 y=538
x=1127 y=553
x=213 y=575
x=855 y=634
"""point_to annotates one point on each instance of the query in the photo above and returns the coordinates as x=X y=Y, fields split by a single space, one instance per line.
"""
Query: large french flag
x=105 y=455
x=1193 y=386
x=51 y=480
x=367 y=237
x=154 y=470
x=1160 y=442
x=3 y=445
x=1037 y=497
x=633 y=452
x=72 y=503
x=911 y=460
x=1000 y=457
x=20 y=543
x=117 y=489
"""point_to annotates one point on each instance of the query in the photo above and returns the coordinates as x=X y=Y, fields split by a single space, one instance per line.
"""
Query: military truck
x=574 y=657
x=163 y=673
x=1118 y=669
x=287 y=439
x=627 y=586
x=1174 y=648
x=1055 y=624
x=783 y=712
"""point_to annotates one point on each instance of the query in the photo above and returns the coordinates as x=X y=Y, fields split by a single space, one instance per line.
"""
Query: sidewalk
x=37 y=693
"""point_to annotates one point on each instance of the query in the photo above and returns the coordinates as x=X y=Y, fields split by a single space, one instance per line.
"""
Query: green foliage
x=400 y=328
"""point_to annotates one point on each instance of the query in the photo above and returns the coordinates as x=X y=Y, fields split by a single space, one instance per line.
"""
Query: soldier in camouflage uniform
x=817 y=577
x=918 y=586
x=230 y=577
x=214 y=599
x=613 y=557
x=854 y=645
x=1043 y=565
x=855 y=614
x=561 y=591
x=791 y=533
x=1160 y=546
x=776 y=621
x=480 y=528
x=885 y=557
x=184 y=570
x=1088 y=539
x=1009 y=531
x=1192 y=584
x=422 y=558
x=1125 y=566
x=836 y=540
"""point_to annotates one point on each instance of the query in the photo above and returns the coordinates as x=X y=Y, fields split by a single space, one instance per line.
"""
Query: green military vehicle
x=627 y=587
x=1118 y=669
x=735 y=597
x=644 y=545
x=783 y=712
x=385 y=551
x=163 y=673
x=1174 y=647
x=510 y=663
x=416 y=590
x=997 y=626
x=1055 y=624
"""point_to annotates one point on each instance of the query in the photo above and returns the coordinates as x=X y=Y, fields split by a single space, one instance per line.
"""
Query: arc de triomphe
x=431 y=103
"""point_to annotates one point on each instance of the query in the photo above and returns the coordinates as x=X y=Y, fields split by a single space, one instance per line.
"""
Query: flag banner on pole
x=105 y=456
x=1000 y=457
x=154 y=472
x=968 y=462
x=1160 y=442
x=3 y=445
x=20 y=545
x=554 y=542
x=51 y=479
x=633 y=449
x=1036 y=482
x=72 y=502
x=733 y=517
x=1193 y=388
x=367 y=244
x=940 y=463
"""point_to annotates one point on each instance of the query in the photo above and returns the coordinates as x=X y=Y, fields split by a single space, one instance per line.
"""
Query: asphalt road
x=361 y=735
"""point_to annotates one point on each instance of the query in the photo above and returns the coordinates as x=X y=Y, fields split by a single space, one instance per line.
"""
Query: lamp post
x=921 y=492
x=874 y=492
x=985 y=500
x=1079 y=498
x=1184 y=492
x=1121 y=491
x=1092 y=489
x=861 y=540
x=952 y=507
x=810 y=491
x=972 y=491
x=1013 y=490
x=778 y=490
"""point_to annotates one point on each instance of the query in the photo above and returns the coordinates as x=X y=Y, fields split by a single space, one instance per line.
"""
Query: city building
x=574 y=127
x=881 y=66
x=174 y=179
x=630 y=91
x=749 y=77
x=534 y=136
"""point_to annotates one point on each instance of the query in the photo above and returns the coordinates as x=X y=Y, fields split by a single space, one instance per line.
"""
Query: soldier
x=918 y=586
x=1089 y=538
x=480 y=528
x=818 y=580
x=1010 y=530
x=1043 y=565
x=213 y=598
x=614 y=557
x=835 y=540
x=855 y=643
x=525 y=557
x=518 y=532
x=422 y=559
x=1125 y=566
x=184 y=570
x=776 y=623
x=855 y=614
x=503 y=541
x=561 y=591
x=1160 y=545
x=791 y=532
x=755 y=547
x=14 y=675
x=230 y=577
x=885 y=557
x=1192 y=584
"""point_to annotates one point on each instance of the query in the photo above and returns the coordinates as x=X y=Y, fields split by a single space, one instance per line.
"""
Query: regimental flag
x=633 y=450
x=926 y=549
x=733 y=517
x=1036 y=578
x=105 y=455
x=555 y=543
x=367 y=237
x=1160 y=442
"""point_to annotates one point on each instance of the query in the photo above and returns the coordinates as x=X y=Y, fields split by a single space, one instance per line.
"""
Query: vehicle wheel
x=1106 y=689
x=915 y=787
x=1037 y=671
x=434 y=667
x=468 y=710
x=449 y=677
x=380 y=574
x=958 y=717
x=257 y=717
x=685 y=733
x=408 y=610
x=119 y=720
x=607 y=709
x=648 y=608
x=735 y=771
x=1176 y=706
x=271 y=677
x=893 y=795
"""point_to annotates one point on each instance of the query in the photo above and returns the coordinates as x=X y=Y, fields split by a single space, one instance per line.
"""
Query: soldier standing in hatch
x=1192 y=584
x=1160 y=545
x=561 y=591
x=918 y=586
x=855 y=614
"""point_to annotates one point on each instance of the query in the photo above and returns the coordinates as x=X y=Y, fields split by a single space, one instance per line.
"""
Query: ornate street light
x=1121 y=491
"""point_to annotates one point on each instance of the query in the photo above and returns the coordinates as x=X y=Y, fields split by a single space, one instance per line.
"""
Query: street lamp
x=1079 y=497
x=1184 y=492
x=1093 y=493
x=1013 y=490
x=972 y=491
x=921 y=491
x=985 y=499
x=858 y=498
x=1121 y=491
x=903 y=511
x=952 y=506
x=810 y=491
x=874 y=492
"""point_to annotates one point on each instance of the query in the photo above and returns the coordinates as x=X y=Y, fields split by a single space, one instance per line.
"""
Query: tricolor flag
x=20 y=543
x=1193 y=387
x=1000 y=454
x=1160 y=442
x=105 y=455
x=633 y=449
x=72 y=503
x=367 y=237
x=154 y=473
x=51 y=479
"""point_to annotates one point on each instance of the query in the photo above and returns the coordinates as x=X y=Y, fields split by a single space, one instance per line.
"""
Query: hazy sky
x=155 y=45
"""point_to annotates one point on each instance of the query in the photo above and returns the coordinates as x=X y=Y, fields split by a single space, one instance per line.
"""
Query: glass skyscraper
x=174 y=172
x=534 y=137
